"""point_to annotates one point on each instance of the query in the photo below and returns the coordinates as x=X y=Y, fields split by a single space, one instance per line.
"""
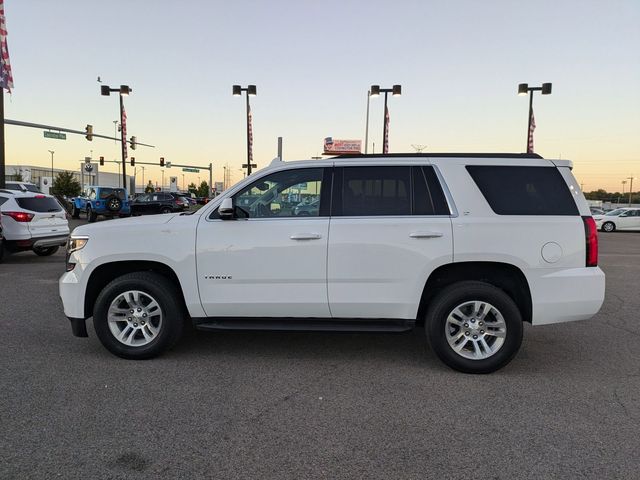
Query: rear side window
x=106 y=192
x=428 y=197
x=39 y=204
x=375 y=191
x=515 y=190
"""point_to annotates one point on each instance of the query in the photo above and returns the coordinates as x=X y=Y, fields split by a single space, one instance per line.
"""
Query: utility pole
x=51 y=152
x=630 y=188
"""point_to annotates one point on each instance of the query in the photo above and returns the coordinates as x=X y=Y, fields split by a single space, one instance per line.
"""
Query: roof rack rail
x=457 y=155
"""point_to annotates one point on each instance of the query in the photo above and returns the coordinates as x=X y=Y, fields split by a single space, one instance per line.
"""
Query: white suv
x=468 y=246
x=32 y=221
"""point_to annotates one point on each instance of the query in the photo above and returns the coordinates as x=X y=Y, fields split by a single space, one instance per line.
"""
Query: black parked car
x=159 y=202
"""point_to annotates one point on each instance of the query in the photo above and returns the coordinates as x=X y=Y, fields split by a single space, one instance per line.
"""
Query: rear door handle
x=425 y=234
x=305 y=236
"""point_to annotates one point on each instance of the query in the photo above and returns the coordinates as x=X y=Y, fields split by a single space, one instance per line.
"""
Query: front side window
x=289 y=193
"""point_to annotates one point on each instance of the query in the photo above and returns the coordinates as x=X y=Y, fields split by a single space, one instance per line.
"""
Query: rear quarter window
x=39 y=204
x=521 y=190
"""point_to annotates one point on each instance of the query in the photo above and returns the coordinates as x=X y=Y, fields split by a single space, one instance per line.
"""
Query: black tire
x=165 y=210
x=91 y=215
x=1 y=249
x=457 y=294
x=75 y=212
x=165 y=294
x=45 y=252
x=608 y=227
x=113 y=203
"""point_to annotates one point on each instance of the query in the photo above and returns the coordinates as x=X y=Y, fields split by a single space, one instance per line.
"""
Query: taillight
x=591 y=241
x=19 y=216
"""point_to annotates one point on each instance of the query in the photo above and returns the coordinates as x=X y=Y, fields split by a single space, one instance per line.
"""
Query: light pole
x=251 y=91
x=366 y=130
x=395 y=91
x=523 y=89
x=630 y=188
x=123 y=91
x=144 y=185
x=51 y=152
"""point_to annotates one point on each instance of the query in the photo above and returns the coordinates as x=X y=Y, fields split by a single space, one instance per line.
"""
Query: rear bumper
x=566 y=295
x=43 y=242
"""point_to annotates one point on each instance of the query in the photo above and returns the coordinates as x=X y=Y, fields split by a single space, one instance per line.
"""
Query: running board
x=306 y=324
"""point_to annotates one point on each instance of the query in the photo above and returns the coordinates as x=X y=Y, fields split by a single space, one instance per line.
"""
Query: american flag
x=385 y=145
x=6 y=77
x=124 y=130
x=532 y=127
x=250 y=130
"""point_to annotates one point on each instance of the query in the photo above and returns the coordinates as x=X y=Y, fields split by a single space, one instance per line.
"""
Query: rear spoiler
x=563 y=163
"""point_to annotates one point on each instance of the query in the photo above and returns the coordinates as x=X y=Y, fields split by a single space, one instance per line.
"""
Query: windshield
x=616 y=212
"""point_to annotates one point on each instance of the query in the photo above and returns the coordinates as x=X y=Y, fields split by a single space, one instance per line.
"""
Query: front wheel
x=165 y=210
x=138 y=315
x=608 y=227
x=45 y=252
x=75 y=213
x=91 y=215
x=474 y=327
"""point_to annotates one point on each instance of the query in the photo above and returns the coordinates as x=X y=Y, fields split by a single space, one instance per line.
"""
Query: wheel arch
x=505 y=276
x=105 y=273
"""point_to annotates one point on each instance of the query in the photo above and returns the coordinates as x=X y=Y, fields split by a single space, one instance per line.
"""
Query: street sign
x=253 y=165
x=168 y=165
x=192 y=170
x=56 y=135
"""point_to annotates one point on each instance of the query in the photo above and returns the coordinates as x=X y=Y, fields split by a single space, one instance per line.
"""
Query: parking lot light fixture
x=396 y=91
x=123 y=91
x=251 y=91
x=524 y=89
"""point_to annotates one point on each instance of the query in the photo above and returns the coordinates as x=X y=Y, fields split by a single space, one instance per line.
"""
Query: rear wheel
x=165 y=210
x=45 y=252
x=138 y=315
x=75 y=212
x=608 y=227
x=474 y=327
x=1 y=249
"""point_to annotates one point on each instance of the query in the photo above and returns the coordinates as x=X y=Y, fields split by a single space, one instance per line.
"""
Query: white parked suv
x=469 y=246
x=32 y=221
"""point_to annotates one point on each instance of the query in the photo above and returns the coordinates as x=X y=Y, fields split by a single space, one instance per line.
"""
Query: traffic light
x=89 y=132
x=133 y=161
x=102 y=161
x=133 y=143
x=162 y=161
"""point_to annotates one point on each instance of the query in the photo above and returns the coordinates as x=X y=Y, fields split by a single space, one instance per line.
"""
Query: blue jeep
x=107 y=201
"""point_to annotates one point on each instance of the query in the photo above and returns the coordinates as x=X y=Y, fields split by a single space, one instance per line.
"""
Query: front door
x=268 y=261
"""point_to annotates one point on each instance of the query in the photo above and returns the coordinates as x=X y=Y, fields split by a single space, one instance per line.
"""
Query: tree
x=203 y=189
x=149 y=188
x=192 y=188
x=65 y=184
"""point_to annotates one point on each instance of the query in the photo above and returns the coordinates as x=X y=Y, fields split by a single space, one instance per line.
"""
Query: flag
x=123 y=130
x=6 y=77
x=250 y=133
x=385 y=145
x=532 y=127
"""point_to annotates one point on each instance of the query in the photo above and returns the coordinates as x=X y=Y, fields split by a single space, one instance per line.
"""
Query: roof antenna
x=418 y=148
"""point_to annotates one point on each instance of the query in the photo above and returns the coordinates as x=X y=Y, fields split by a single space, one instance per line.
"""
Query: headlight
x=76 y=243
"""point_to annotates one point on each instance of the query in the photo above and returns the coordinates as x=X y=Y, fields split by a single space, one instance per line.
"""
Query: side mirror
x=226 y=210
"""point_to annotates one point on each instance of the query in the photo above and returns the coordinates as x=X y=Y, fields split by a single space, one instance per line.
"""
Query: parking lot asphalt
x=291 y=405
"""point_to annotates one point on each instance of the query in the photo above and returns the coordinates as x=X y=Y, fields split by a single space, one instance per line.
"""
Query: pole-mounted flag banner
x=6 y=77
x=385 y=144
x=123 y=130
x=250 y=130
x=532 y=127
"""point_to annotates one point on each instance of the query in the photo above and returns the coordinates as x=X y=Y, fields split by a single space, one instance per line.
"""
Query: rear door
x=390 y=227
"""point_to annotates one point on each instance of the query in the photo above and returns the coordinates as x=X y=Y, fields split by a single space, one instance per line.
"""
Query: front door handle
x=425 y=234
x=305 y=236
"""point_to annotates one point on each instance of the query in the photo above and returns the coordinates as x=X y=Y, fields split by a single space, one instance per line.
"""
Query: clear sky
x=459 y=64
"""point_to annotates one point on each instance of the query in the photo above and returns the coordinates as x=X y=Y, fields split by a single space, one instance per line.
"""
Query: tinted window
x=289 y=193
x=105 y=192
x=375 y=191
x=428 y=197
x=2 y=200
x=39 y=204
x=513 y=190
